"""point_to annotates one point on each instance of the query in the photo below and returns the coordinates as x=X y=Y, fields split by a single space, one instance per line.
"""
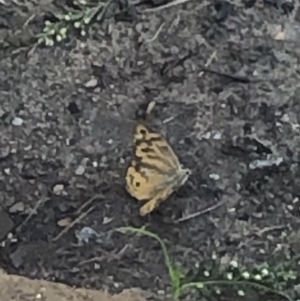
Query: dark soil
x=75 y=140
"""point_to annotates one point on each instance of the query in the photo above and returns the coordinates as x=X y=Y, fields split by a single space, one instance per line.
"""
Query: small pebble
x=285 y=118
x=207 y=135
x=57 y=189
x=103 y=159
x=107 y=220
x=64 y=222
x=217 y=136
x=80 y=170
x=97 y=266
x=17 y=207
x=17 y=121
x=214 y=176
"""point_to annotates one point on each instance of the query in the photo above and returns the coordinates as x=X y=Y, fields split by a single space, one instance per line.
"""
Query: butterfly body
x=155 y=172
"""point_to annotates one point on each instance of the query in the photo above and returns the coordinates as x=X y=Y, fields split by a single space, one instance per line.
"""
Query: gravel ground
x=67 y=114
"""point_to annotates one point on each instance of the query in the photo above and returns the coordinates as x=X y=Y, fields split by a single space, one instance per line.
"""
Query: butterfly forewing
x=154 y=149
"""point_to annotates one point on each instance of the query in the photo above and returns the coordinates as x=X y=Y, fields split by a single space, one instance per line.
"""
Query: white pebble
x=80 y=170
x=91 y=83
x=214 y=176
x=285 y=118
x=217 y=136
x=17 y=121
x=97 y=266
x=57 y=189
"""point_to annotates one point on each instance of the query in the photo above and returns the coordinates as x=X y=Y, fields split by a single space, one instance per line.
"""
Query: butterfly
x=155 y=172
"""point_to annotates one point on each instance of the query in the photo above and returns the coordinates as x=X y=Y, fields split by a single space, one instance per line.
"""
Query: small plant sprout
x=257 y=277
x=234 y=264
x=86 y=21
x=52 y=32
x=82 y=2
x=246 y=275
x=264 y=272
x=261 y=278
x=49 y=42
x=241 y=293
x=63 y=32
x=77 y=24
x=58 y=38
x=200 y=285
x=214 y=256
x=79 y=18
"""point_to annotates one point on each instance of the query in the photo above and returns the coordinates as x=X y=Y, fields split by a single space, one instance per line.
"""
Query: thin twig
x=32 y=212
x=109 y=256
x=150 y=107
x=209 y=61
x=29 y=20
x=196 y=214
x=271 y=228
x=169 y=119
x=156 y=34
x=88 y=202
x=173 y=3
x=71 y=225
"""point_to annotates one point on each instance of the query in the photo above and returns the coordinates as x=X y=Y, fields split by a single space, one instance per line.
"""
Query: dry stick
x=190 y=216
x=156 y=34
x=78 y=211
x=76 y=221
x=88 y=202
x=209 y=61
x=37 y=205
x=108 y=255
x=175 y=2
x=150 y=107
x=271 y=228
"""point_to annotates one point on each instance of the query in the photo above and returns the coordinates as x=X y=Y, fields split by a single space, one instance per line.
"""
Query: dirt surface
x=67 y=114
x=20 y=288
